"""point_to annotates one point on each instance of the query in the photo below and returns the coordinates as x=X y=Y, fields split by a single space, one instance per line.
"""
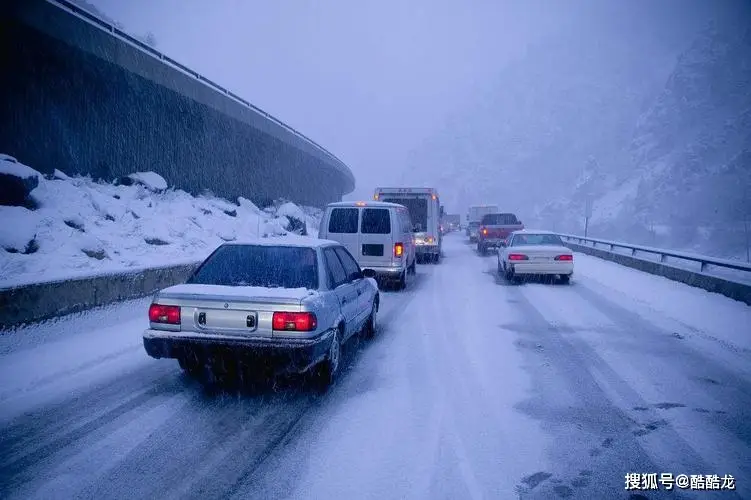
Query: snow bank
x=81 y=227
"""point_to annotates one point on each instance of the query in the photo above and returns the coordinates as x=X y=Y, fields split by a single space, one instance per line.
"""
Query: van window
x=376 y=221
x=343 y=220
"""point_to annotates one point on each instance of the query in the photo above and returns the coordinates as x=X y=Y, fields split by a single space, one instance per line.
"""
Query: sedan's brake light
x=398 y=249
x=159 y=313
x=517 y=256
x=294 y=321
x=568 y=258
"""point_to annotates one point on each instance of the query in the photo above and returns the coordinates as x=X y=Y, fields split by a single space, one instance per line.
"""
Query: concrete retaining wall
x=78 y=99
x=41 y=301
x=737 y=291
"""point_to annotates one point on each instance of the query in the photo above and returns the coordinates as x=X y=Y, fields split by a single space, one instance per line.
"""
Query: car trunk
x=230 y=314
x=541 y=252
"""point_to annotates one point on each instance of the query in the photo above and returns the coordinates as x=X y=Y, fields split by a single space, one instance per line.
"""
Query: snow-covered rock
x=150 y=180
x=17 y=181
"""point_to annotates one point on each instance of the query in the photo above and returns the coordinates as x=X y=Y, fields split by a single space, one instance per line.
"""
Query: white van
x=379 y=235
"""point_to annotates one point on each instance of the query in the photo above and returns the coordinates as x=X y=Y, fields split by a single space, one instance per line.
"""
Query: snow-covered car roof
x=534 y=231
x=371 y=204
x=286 y=241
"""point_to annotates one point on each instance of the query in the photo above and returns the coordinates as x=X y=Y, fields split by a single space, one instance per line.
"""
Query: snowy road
x=473 y=389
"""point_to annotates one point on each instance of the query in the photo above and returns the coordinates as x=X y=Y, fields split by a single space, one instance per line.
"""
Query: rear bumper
x=426 y=249
x=542 y=267
x=294 y=355
x=491 y=242
x=388 y=272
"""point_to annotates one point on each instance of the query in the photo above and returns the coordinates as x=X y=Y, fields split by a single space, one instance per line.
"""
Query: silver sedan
x=535 y=253
x=294 y=301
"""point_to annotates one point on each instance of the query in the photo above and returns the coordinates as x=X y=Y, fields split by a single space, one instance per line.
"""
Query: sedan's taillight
x=294 y=321
x=568 y=258
x=169 y=315
x=517 y=256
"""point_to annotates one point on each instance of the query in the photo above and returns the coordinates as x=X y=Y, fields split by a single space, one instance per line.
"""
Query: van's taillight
x=517 y=256
x=484 y=230
x=568 y=258
x=294 y=321
x=429 y=239
x=398 y=249
x=159 y=313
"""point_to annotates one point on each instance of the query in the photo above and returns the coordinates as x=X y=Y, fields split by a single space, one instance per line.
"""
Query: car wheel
x=402 y=283
x=500 y=268
x=371 y=325
x=413 y=268
x=480 y=249
x=508 y=274
x=565 y=279
x=328 y=369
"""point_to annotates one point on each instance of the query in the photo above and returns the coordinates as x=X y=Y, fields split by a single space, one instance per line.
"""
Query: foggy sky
x=367 y=80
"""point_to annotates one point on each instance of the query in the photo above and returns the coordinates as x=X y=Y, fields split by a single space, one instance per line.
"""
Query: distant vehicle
x=535 y=253
x=425 y=210
x=378 y=234
x=474 y=216
x=451 y=222
x=289 y=302
x=494 y=228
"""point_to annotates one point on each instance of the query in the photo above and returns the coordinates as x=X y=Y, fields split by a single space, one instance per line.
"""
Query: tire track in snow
x=603 y=397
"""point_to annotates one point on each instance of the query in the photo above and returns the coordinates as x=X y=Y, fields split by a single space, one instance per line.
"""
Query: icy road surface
x=473 y=389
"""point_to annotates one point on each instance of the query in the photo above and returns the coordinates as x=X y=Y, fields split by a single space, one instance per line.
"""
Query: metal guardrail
x=703 y=260
x=115 y=31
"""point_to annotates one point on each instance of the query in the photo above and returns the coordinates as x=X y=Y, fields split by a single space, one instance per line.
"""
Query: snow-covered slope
x=76 y=227
x=687 y=183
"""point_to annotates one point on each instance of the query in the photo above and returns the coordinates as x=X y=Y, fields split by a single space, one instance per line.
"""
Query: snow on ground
x=82 y=227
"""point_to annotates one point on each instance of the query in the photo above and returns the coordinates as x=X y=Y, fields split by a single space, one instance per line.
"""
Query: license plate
x=540 y=258
x=227 y=320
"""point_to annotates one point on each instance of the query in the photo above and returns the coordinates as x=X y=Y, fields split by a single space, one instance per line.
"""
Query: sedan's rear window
x=258 y=265
x=536 y=239
x=376 y=221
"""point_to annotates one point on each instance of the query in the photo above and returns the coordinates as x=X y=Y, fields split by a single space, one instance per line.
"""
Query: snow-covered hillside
x=687 y=183
x=73 y=226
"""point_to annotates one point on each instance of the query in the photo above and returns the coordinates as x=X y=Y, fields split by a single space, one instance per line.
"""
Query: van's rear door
x=376 y=239
x=343 y=226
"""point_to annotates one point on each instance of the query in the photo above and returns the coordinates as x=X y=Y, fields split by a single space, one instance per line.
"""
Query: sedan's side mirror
x=504 y=244
x=369 y=273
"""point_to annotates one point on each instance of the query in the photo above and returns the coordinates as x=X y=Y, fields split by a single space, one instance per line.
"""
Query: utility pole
x=587 y=215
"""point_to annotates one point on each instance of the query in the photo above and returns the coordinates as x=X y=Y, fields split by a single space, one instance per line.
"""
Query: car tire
x=371 y=325
x=413 y=267
x=481 y=249
x=328 y=369
x=565 y=279
x=500 y=269
x=402 y=283
x=508 y=274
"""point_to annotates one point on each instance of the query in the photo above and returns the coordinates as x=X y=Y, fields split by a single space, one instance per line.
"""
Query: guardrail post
x=663 y=257
x=702 y=266
x=612 y=247
x=633 y=251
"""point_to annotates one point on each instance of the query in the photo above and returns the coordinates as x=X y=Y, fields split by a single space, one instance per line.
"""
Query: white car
x=526 y=253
